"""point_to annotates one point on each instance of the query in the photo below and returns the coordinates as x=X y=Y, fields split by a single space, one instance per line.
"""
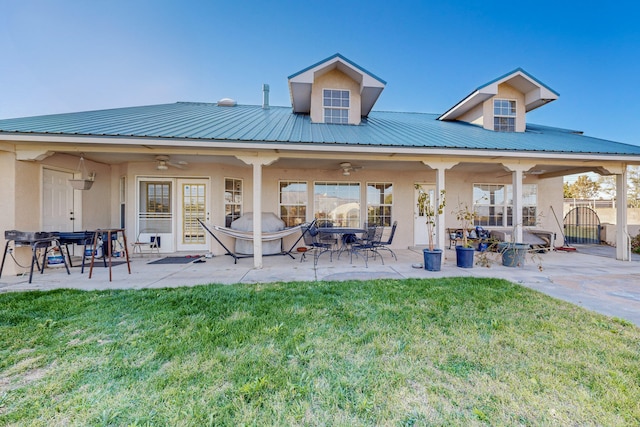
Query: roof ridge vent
x=227 y=102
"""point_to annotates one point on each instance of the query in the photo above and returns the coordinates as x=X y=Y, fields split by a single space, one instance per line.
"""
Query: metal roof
x=248 y=123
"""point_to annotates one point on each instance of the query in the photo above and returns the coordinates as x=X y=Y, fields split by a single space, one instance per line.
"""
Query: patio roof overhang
x=112 y=150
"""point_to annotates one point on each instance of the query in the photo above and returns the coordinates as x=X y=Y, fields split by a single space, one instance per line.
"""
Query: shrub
x=635 y=244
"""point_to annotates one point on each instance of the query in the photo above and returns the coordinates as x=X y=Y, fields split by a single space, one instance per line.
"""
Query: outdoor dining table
x=348 y=235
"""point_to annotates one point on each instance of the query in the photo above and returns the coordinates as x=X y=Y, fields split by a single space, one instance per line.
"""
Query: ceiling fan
x=347 y=168
x=164 y=163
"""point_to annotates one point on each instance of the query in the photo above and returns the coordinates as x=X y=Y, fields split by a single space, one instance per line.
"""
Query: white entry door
x=193 y=204
x=420 y=236
x=57 y=202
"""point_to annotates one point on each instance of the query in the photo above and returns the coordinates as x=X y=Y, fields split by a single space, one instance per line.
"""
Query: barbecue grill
x=36 y=240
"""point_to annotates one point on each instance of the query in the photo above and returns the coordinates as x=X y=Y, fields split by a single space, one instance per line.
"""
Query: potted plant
x=432 y=255
x=513 y=254
x=465 y=251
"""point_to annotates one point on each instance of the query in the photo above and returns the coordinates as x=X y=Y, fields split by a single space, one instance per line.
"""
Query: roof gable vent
x=227 y=102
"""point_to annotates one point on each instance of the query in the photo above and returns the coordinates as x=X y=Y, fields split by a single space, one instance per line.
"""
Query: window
x=489 y=204
x=336 y=106
x=155 y=206
x=504 y=115
x=494 y=205
x=337 y=202
x=232 y=200
x=529 y=203
x=379 y=203
x=293 y=202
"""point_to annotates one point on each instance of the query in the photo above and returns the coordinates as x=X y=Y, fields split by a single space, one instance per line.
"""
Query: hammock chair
x=248 y=235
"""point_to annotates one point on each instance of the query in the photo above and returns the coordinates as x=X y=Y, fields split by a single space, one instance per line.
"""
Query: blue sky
x=64 y=55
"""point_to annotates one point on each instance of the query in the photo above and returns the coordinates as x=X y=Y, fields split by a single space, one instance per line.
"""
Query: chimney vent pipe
x=265 y=96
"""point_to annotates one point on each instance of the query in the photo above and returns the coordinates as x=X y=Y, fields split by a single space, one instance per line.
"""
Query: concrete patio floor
x=596 y=282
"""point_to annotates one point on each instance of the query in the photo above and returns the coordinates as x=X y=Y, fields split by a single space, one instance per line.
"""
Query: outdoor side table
x=109 y=233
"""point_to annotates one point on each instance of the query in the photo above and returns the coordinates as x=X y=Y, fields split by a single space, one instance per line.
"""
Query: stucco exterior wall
x=335 y=80
x=506 y=92
x=474 y=116
x=100 y=205
x=92 y=208
x=609 y=232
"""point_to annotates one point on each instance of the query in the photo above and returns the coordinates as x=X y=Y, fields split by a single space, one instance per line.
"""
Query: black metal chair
x=369 y=244
x=325 y=237
x=311 y=238
x=385 y=245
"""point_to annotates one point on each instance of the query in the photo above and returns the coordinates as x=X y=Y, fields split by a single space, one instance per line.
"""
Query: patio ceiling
x=490 y=168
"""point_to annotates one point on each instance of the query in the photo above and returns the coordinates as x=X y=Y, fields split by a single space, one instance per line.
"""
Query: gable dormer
x=335 y=90
x=502 y=104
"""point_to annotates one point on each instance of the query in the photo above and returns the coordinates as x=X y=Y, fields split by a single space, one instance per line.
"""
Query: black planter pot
x=464 y=257
x=432 y=259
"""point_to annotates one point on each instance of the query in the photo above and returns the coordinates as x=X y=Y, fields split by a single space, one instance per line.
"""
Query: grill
x=36 y=240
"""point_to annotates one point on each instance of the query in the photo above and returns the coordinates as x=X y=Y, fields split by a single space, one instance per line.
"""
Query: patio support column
x=517 y=173
x=440 y=168
x=257 y=162
x=622 y=235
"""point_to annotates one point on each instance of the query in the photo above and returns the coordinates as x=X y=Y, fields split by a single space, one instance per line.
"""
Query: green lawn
x=457 y=351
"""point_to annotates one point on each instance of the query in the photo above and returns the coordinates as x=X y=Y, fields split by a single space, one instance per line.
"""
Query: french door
x=170 y=208
x=193 y=204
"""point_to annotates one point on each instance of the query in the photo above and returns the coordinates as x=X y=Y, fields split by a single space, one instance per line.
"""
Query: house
x=328 y=155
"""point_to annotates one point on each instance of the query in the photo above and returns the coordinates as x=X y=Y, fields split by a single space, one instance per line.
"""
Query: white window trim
x=508 y=116
x=315 y=205
x=305 y=204
x=379 y=204
x=224 y=201
x=324 y=108
x=508 y=190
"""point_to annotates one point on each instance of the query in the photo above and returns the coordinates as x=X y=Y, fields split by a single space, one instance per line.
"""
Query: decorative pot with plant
x=427 y=208
x=513 y=254
x=464 y=252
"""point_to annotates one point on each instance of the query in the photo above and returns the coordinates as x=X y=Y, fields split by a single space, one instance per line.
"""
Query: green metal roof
x=248 y=123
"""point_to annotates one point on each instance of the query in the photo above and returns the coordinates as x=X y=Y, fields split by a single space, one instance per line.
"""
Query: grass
x=458 y=351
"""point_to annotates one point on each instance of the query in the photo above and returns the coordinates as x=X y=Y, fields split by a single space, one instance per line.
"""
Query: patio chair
x=311 y=238
x=385 y=245
x=327 y=237
x=369 y=244
x=147 y=241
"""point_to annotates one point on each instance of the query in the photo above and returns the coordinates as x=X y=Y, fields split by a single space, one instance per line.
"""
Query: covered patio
x=599 y=283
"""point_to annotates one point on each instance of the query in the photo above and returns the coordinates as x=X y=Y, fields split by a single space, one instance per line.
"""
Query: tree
x=584 y=188
x=568 y=191
x=633 y=182
x=607 y=185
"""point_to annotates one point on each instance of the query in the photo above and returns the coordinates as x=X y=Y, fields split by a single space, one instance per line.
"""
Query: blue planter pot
x=464 y=257
x=432 y=259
